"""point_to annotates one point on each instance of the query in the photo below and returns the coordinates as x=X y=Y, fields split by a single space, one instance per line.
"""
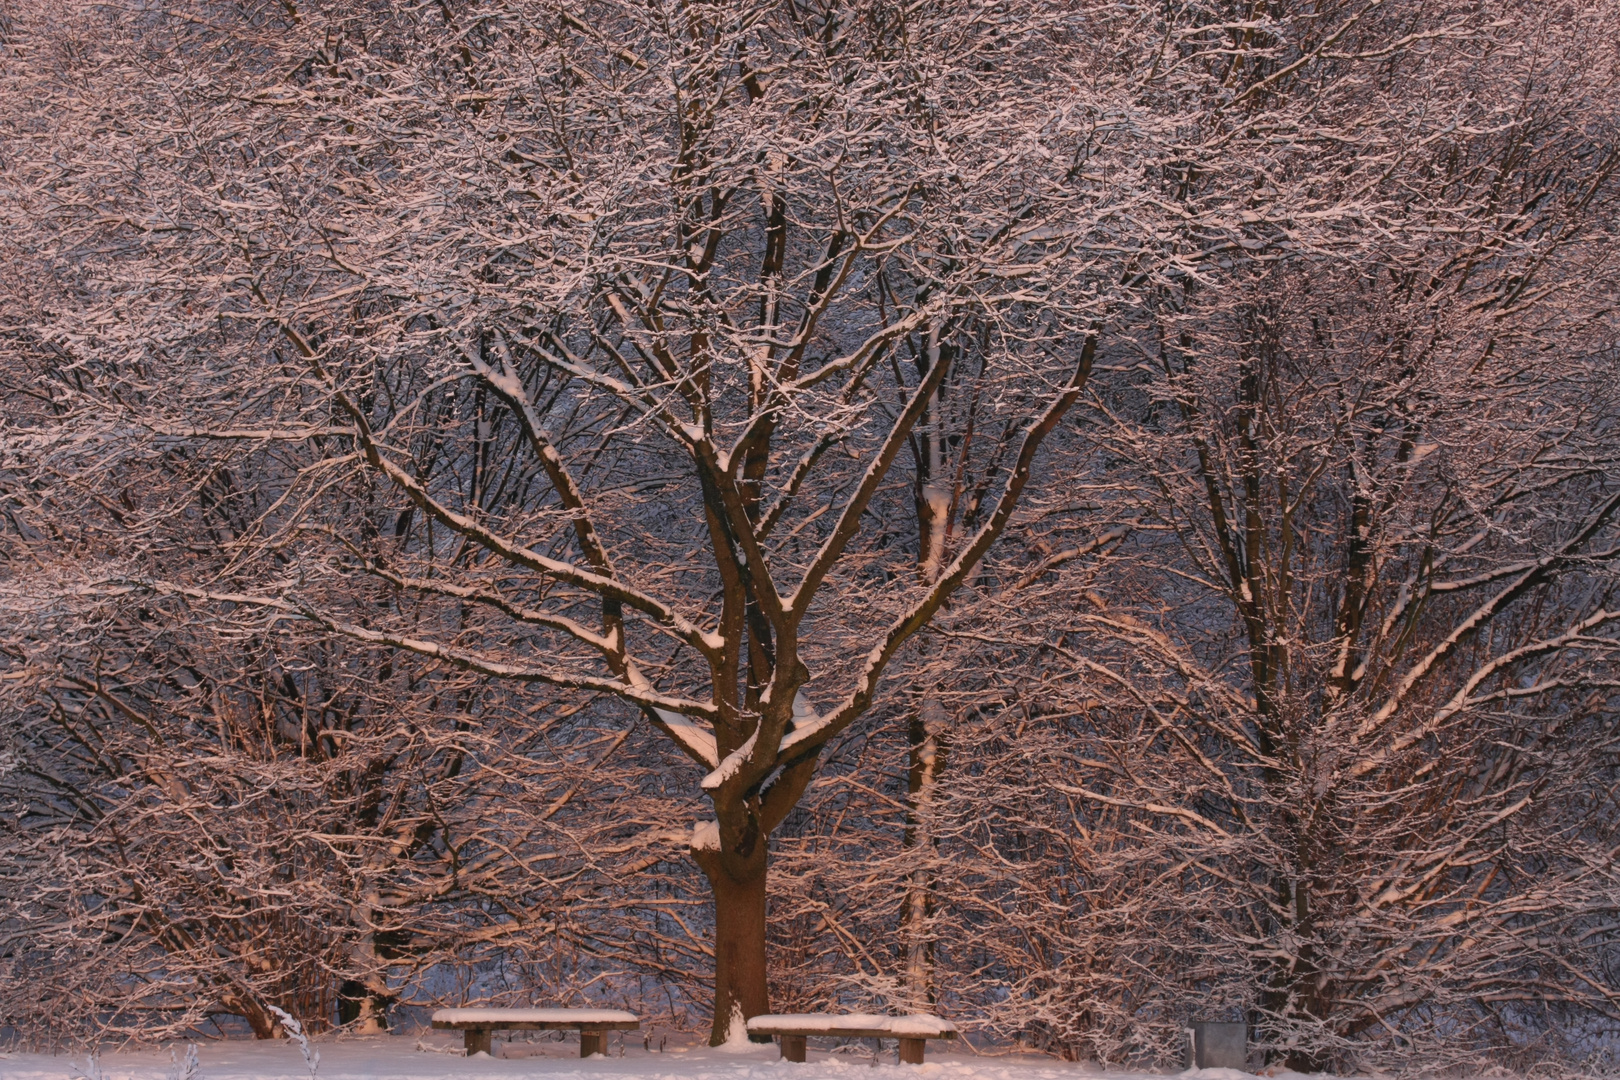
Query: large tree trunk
x=260 y=1019
x=740 y=988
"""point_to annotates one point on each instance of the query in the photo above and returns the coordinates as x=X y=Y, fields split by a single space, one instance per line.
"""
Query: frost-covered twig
x=183 y=1070
x=295 y=1032
x=91 y=1070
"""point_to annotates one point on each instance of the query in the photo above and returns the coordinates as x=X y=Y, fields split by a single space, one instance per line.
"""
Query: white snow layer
x=737 y=1041
x=733 y=763
x=699 y=740
x=916 y=1024
x=396 y=1057
x=536 y=1016
x=806 y=722
x=706 y=836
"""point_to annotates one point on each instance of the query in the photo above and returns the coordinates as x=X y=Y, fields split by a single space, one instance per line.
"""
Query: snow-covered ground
x=437 y=1056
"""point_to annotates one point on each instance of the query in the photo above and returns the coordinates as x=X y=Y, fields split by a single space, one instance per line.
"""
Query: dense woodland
x=1067 y=514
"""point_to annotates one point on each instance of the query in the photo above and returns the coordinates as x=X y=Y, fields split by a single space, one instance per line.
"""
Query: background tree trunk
x=926 y=738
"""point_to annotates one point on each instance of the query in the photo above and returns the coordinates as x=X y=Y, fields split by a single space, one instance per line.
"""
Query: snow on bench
x=913 y=1031
x=479 y=1024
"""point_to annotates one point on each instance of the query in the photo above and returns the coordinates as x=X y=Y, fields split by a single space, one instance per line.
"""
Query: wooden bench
x=478 y=1025
x=913 y=1031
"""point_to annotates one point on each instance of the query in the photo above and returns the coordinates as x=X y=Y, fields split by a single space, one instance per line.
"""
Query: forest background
x=1067 y=514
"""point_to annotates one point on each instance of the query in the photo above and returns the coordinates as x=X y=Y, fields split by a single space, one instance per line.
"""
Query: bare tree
x=204 y=819
x=603 y=307
x=1343 y=703
x=574 y=348
x=1298 y=703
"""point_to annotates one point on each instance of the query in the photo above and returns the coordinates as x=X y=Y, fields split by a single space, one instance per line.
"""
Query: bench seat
x=478 y=1025
x=913 y=1031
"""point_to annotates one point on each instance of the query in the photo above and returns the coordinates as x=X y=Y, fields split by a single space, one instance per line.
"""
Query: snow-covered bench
x=478 y=1025
x=913 y=1031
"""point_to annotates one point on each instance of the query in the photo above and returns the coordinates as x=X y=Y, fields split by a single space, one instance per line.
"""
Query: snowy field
x=438 y=1057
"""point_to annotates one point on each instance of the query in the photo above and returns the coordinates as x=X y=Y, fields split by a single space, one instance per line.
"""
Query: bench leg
x=478 y=1040
x=592 y=1042
x=911 y=1051
x=793 y=1048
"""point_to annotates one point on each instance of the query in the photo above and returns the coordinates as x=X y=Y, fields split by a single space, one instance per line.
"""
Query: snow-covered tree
x=573 y=355
x=615 y=318
x=1297 y=702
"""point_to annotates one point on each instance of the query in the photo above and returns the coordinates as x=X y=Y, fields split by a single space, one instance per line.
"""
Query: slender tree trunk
x=927 y=739
x=363 y=1007
x=363 y=999
x=740 y=987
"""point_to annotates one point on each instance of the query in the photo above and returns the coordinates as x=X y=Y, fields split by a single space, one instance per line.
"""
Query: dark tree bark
x=740 y=985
